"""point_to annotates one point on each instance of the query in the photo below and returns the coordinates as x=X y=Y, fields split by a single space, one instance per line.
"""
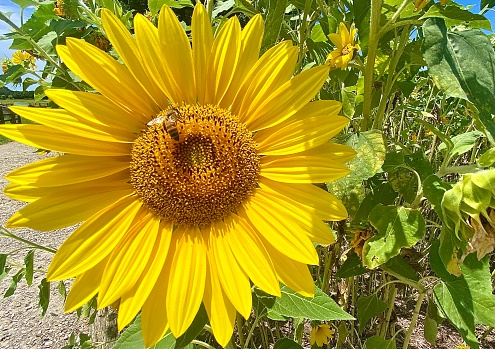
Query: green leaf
x=398 y=266
x=370 y=149
x=377 y=342
x=462 y=143
x=273 y=22
x=462 y=63
x=317 y=34
x=28 y=262
x=433 y=190
x=62 y=290
x=487 y=3
x=343 y=331
x=488 y=158
x=44 y=296
x=3 y=261
x=393 y=160
x=368 y=307
x=13 y=283
x=432 y=320
x=397 y=227
x=454 y=15
x=25 y=3
x=286 y=343
x=466 y=300
x=348 y=102
x=156 y=5
x=404 y=182
x=321 y=307
x=381 y=194
x=352 y=266
x=420 y=163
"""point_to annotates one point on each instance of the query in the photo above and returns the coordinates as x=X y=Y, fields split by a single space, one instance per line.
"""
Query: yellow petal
x=202 y=42
x=61 y=120
x=107 y=76
x=220 y=310
x=45 y=137
x=177 y=55
x=132 y=301
x=68 y=169
x=187 y=277
x=154 y=319
x=149 y=47
x=288 y=99
x=223 y=61
x=126 y=47
x=94 y=239
x=311 y=224
x=26 y=193
x=313 y=125
x=251 y=37
x=97 y=109
x=288 y=238
x=324 y=163
x=291 y=273
x=85 y=287
x=273 y=70
x=68 y=205
x=234 y=280
x=252 y=256
x=322 y=203
x=128 y=260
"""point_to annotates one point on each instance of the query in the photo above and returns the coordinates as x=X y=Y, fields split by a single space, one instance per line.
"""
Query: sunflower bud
x=470 y=204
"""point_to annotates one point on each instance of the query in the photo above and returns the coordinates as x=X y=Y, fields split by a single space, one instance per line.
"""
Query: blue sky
x=8 y=6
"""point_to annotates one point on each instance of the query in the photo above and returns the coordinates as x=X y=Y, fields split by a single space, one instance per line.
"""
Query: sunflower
x=24 y=58
x=345 y=42
x=191 y=170
x=320 y=334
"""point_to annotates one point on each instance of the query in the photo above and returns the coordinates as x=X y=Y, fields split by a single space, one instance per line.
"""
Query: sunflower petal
x=126 y=47
x=286 y=237
x=220 y=310
x=68 y=169
x=223 y=61
x=44 y=137
x=252 y=256
x=176 y=50
x=94 y=239
x=68 y=205
x=234 y=280
x=128 y=260
x=85 y=287
x=202 y=42
x=187 y=277
x=287 y=99
x=324 y=204
x=132 y=301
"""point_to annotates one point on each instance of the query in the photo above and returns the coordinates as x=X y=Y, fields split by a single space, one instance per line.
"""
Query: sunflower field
x=259 y=174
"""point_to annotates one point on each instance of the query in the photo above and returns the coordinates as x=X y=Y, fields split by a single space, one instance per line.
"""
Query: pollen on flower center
x=194 y=164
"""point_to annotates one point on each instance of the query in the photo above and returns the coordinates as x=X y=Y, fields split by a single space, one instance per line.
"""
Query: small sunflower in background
x=320 y=334
x=192 y=172
x=420 y=4
x=345 y=41
x=359 y=239
x=24 y=58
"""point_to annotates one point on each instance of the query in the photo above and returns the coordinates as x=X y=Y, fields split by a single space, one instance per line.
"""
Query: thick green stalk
x=376 y=6
x=414 y=319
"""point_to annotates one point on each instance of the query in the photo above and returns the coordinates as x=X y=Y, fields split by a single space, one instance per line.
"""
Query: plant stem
x=376 y=6
x=6 y=233
x=302 y=33
x=391 y=302
x=414 y=319
x=240 y=323
x=207 y=346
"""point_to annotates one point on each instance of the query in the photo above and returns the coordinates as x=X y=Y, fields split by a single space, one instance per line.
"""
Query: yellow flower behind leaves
x=346 y=45
x=420 y=4
x=24 y=58
x=320 y=334
x=192 y=172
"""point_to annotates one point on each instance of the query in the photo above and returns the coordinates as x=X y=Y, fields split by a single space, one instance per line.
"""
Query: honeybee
x=169 y=121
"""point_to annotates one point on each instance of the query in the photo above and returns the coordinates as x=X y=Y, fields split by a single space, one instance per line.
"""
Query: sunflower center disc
x=194 y=164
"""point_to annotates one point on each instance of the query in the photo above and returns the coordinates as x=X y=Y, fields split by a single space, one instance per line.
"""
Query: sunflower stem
x=206 y=345
x=240 y=324
x=6 y=233
x=302 y=33
x=414 y=319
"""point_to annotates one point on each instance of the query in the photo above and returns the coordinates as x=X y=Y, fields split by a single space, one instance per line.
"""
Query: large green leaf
x=489 y=3
x=286 y=343
x=462 y=143
x=321 y=307
x=377 y=342
x=397 y=227
x=370 y=149
x=368 y=307
x=466 y=300
x=433 y=190
x=273 y=22
x=462 y=63
x=397 y=266
x=454 y=15
x=352 y=266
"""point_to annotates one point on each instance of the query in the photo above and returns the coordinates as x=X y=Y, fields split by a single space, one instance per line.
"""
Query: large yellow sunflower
x=191 y=171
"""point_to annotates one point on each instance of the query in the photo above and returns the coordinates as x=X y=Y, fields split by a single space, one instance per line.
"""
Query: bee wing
x=155 y=121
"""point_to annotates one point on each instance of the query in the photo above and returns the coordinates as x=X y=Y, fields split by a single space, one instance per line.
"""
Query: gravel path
x=21 y=324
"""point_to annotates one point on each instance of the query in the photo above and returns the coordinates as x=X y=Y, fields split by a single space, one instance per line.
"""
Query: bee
x=169 y=121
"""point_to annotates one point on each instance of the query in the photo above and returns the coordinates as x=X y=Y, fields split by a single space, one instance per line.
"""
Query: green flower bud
x=470 y=204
